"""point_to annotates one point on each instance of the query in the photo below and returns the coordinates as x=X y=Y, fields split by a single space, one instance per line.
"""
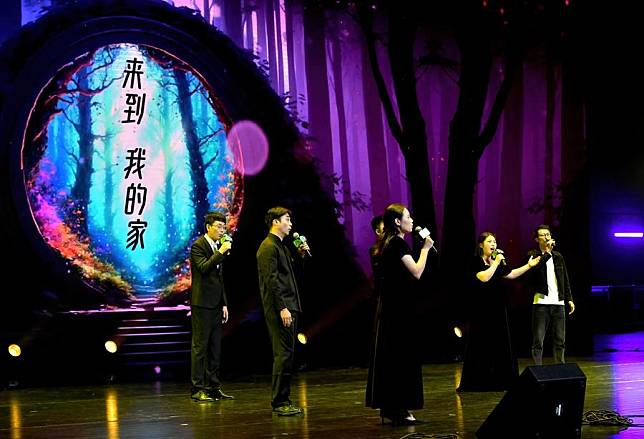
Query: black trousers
x=544 y=316
x=283 y=343
x=206 y=348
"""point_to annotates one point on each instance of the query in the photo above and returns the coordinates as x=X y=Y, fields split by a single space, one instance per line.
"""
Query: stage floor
x=333 y=402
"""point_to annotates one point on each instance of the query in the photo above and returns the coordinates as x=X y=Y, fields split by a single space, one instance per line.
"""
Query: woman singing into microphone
x=395 y=381
x=490 y=364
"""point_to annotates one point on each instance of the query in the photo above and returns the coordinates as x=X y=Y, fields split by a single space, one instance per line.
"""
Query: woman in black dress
x=490 y=364
x=395 y=382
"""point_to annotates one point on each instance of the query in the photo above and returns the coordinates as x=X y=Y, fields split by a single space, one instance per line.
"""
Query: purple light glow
x=628 y=234
x=251 y=142
x=624 y=361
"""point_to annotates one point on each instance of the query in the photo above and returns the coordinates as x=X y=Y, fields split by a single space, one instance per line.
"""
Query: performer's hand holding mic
x=550 y=244
x=498 y=253
x=225 y=243
x=300 y=243
x=423 y=233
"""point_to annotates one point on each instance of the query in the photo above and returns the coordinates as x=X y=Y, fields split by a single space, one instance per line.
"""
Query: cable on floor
x=607 y=417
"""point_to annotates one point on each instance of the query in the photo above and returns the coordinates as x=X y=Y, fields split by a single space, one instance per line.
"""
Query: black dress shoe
x=218 y=394
x=202 y=396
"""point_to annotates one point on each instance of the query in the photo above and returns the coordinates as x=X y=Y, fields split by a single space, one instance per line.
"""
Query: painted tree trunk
x=318 y=94
x=84 y=164
x=197 y=171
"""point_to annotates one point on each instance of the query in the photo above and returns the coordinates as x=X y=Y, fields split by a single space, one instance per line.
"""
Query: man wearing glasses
x=549 y=283
x=208 y=308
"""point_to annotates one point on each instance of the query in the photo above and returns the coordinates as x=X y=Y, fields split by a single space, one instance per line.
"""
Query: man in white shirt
x=549 y=284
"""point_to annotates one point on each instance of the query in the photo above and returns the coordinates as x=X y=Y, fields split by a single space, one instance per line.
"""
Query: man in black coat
x=550 y=287
x=208 y=307
x=281 y=301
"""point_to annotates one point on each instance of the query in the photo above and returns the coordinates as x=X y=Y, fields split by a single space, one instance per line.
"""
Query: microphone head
x=418 y=228
x=298 y=239
x=497 y=252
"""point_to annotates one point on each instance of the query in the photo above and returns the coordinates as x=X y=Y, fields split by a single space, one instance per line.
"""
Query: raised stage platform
x=333 y=401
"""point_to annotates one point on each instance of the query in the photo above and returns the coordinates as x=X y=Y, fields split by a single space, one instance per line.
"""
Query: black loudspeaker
x=546 y=402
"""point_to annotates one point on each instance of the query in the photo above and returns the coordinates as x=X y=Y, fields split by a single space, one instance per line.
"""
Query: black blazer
x=207 y=279
x=537 y=279
x=277 y=283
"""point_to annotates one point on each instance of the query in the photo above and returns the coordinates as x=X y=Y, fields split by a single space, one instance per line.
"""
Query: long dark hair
x=482 y=237
x=392 y=212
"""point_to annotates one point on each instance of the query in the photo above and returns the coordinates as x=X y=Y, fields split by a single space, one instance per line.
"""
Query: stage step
x=157 y=339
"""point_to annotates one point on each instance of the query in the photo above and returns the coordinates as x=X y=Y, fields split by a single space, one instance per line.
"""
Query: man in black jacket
x=550 y=286
x=208 y=308
x=281 y=301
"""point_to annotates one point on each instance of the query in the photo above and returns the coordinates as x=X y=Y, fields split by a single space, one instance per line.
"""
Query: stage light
x=111 y=346
x=301 y=338
x=458 y=332
x=628 y=234
x=14 y=350
x=251 y=144
x=157 y=370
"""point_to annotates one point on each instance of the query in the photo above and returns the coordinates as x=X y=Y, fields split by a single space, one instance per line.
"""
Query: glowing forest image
x=129 y=152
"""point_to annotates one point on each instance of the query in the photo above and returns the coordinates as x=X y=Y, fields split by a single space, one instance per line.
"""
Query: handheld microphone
x=423 y=233
x=298 y=240
x=496 y=252
x=225 y=238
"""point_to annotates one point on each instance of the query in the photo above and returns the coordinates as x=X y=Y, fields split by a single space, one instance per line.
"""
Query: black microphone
x=298 y=240
x=423 y=232
x=496 y=252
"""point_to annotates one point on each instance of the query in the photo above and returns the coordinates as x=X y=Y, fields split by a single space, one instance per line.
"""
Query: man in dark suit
x=208 y=307
x=281 y=301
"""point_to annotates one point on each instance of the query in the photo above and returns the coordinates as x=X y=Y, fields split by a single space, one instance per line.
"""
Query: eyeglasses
x=545 y=235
